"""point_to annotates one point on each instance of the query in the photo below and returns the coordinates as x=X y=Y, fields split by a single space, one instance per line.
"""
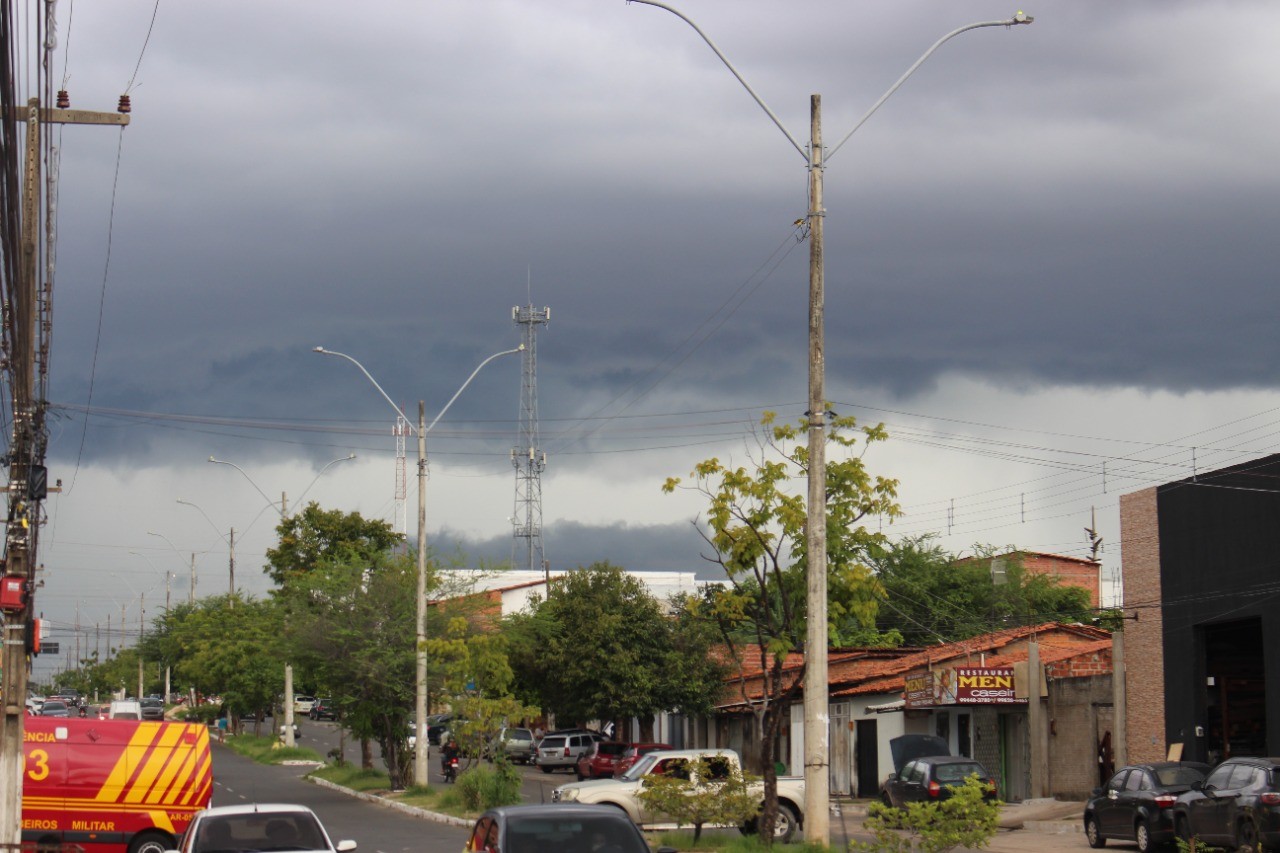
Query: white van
x=125 y=709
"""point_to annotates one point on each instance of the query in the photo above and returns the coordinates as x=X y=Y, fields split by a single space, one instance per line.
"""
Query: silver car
x=515 y=743
x=563 y=749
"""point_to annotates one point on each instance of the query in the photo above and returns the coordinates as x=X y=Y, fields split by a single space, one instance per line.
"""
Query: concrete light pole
x=420 y=661
x=231 y=550
x=816 y=734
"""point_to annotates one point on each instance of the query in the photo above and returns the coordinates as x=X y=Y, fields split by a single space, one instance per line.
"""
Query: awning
x=887 y=707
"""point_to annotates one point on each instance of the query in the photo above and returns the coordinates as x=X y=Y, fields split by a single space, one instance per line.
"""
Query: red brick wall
x=1143 y=637
x=1069 y=572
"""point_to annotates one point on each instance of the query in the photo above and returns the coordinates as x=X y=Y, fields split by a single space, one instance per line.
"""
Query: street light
x=420 y=694
x=816 y=759
x=231 y=546
x=191 y=597
x=282 y=510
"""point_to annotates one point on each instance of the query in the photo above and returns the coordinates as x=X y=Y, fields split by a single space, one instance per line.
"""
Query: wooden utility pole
x=817 y=758
x=27 y=476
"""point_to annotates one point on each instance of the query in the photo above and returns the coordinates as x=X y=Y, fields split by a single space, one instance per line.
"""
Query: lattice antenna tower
x=527 y=457
x=402 y=481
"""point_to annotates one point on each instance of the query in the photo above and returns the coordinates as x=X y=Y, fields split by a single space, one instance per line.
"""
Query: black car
x=152 y=709
x=1137 y=802
x=437 y=725
x=323 y=709
x=558 y=826
x=1237 y=805
x=931 y=778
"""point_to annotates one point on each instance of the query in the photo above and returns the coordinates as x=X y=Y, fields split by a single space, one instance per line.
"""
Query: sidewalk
x=1046 y=826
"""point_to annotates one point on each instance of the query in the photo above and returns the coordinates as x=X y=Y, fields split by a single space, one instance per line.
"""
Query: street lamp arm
x=479 y=367
x=298 y=501
x=732 y=70
x=270 y=502
x=1019 y=18
x=208 y=519
x=367 y=375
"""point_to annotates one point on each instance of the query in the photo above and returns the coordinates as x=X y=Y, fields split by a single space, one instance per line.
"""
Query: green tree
x=755 y=527
x=601 y=647
x=932 y=595
x=351 y=622
x=316 y=536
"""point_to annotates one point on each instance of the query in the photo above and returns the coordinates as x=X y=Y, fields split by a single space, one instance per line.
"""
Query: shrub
x=484 y=787
x=964 y=819
x=716 y=795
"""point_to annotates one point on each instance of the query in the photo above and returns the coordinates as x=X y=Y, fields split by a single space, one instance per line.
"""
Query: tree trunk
x=366 y=754
x=646 y=728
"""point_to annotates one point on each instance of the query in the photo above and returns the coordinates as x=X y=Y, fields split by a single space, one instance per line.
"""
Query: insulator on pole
x=64 y=99
x=124 y=106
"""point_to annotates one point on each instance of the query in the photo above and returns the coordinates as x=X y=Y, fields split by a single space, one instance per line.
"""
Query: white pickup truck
x=623 y=792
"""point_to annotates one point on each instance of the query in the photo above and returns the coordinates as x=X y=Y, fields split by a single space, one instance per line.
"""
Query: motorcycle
x=451 y=770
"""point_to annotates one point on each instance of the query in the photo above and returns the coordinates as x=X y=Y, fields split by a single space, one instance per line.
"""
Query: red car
x=633 y=753
x=599 y=761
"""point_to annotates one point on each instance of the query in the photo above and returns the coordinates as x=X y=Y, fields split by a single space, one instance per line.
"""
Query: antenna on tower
x=527 y=457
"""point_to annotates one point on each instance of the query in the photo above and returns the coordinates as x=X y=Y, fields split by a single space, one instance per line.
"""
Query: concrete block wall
x=1143 y=636
x=1073 y=734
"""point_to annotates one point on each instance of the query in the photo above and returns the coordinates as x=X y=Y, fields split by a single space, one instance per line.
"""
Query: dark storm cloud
x=1061 y=203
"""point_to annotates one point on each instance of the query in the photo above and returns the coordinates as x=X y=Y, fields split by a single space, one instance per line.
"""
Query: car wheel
x=785 y=824
x=885 y=801
x=1247 y=836
x=546 y=769
x=1142 y=835
x=150 y=842
x=1093 y=833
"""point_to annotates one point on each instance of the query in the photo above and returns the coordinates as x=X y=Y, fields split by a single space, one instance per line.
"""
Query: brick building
x=1199 y=572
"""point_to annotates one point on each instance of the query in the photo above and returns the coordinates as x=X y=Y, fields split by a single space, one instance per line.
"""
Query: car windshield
x=519 y=734
x=594 y=835
x=552 y=743
x=1170 y=776
x=260 y=831
x=640 y=768
x=609 y=748
x=956 y=772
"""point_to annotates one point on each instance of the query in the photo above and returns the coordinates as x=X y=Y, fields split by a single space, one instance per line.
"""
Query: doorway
x=866 y=758
x=1235 y=700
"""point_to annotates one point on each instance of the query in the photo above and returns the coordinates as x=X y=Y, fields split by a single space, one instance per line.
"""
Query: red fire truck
x=113 y=786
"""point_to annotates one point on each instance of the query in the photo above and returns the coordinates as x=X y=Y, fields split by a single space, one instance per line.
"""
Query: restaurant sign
x=960 y=686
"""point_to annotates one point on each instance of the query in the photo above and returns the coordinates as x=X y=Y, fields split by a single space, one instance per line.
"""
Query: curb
x=392 y=804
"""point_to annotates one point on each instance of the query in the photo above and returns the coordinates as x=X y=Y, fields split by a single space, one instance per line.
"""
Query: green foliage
x=705 y=797
x=315 y=537
x=1195 y=846
x=483 y=787
x=756 y=524
x=601 y=647
x=204 y=714
x=964 y=819
x=932 y=595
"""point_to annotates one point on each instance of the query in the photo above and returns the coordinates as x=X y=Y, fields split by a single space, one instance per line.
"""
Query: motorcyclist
x=448 y=753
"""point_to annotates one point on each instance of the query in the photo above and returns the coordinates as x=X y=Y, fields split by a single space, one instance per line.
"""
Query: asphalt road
x=376 y=829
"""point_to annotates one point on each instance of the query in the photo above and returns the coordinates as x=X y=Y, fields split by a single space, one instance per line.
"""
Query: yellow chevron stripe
x=202 y=784
x=161 y=820
x=130 y=757
x=179 y=778
x=154 y=765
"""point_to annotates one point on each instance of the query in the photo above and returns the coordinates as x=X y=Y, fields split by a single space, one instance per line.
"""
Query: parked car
x=932 y=778
x=125 y=709
x=323 y=709
x=437 y=724
x=513 y=742
x=1236 y=806
x=262 y=826
x=1137 y=802
x=152 y=709
x=602 y=829
x=54 y=708
x=634 y=752
x=303 y=704
x=562 y=750
x=601 y=761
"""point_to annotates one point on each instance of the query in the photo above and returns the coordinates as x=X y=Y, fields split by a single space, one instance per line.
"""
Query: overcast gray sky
x=1050 y=265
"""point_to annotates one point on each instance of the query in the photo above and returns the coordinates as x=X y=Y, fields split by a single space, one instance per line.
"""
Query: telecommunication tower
x=402 y=481
x=526 y=547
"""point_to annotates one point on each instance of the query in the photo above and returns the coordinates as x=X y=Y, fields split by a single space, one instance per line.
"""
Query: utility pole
x=231 y=599
x=191 y=597
x=27 y=474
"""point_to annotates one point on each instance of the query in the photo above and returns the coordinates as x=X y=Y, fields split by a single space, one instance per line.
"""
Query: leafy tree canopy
x=317 y=536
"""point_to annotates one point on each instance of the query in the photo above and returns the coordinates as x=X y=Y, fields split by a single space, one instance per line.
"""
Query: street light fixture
x=282 y=510
x=191 y=597
x=816 y=758
x=420 y=693
x=231 y=546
